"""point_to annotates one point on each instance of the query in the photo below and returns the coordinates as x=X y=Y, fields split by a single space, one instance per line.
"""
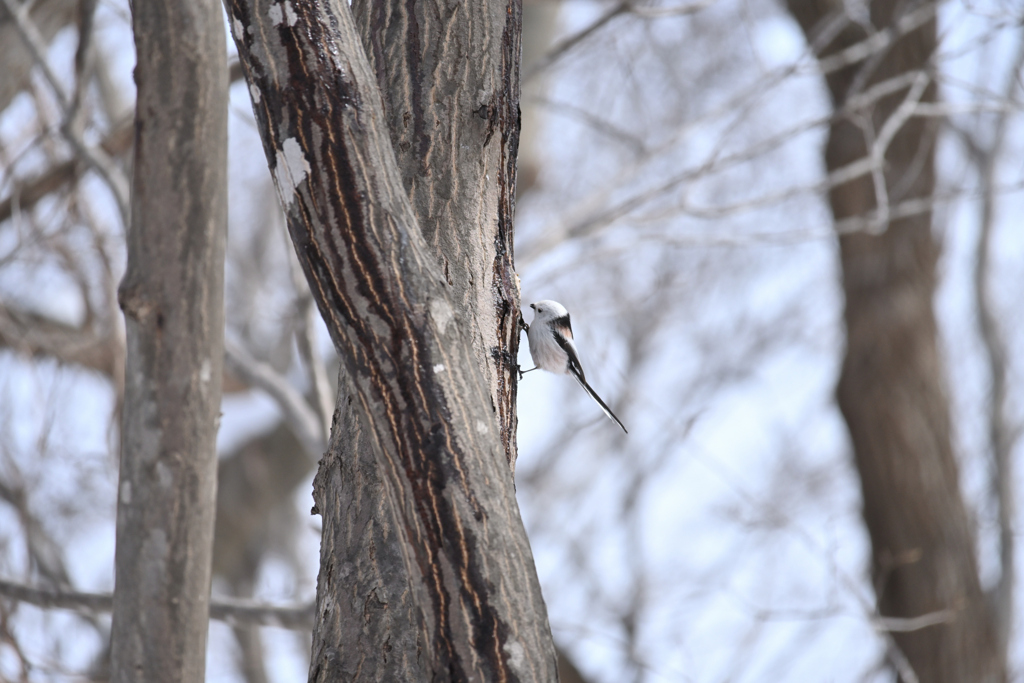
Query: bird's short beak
x=533 y=306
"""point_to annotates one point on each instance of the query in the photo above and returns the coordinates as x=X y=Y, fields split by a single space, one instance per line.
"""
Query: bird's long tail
x=604 y=406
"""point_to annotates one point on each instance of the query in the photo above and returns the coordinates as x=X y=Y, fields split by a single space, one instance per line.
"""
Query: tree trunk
x=426 y=572
x=447 y=96
x=173 y=300
x=891 y=390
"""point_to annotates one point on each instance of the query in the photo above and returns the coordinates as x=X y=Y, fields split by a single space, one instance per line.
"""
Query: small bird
x=552 y=348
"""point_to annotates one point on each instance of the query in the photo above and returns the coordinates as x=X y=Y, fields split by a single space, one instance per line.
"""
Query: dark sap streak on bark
x=413 y=50
x=396 y=363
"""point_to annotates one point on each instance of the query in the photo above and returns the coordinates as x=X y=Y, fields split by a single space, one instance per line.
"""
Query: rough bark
x=172 y=296
x=891 y=390
x=426 y=572
x=459 y=172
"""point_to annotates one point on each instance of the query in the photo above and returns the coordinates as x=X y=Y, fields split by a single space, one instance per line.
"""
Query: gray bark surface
x=891 y=388
x=172 y=297
x=451 y=101
x=426 y=572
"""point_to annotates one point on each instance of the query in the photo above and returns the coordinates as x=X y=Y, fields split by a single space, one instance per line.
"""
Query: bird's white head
x=548 y=310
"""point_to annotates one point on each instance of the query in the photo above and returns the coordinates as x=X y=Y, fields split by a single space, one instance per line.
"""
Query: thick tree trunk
x=891 y=390
x=451 y=100
x=173 y=299
x=426 y=572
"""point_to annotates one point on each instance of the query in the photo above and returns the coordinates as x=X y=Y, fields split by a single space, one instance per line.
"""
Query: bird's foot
x=523 y=372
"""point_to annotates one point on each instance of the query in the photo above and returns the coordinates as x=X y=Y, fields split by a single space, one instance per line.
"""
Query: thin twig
x=96 y=158
x=596 y=123
x=303 y=420
x=908 y=624
x=36 y=46
x=1001 y=435
x=563 y=46
x=877 y=42
x=853 y=588
x=880 y=146
x=83 y=57
x=625 y=7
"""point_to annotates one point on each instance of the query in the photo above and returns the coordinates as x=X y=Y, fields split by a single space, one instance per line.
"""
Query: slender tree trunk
x=426 y=572
x=173 y=300
x=891 y=390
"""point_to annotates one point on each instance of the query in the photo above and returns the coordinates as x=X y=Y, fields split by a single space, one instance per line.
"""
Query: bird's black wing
x=561 y=330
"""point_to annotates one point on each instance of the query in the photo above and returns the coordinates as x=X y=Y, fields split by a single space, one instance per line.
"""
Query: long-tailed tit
x=552 y=348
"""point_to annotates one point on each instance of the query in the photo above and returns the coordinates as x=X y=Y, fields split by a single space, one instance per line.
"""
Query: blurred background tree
x=684 y=172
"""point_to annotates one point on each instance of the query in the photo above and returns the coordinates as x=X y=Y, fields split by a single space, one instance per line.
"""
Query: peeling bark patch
x=255 y=93
x=275 y=14
x=516 y=654
x=442 y=314
x=164 y=475
x=291 y=169
x=282 y=13
x=289 y=13
x=155 y=548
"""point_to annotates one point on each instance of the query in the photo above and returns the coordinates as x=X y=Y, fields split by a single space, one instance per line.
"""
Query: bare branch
x=29 y=34
x=83 y=56
x=872 y=164
x=236 y=612
x=1001 y=435
x=880 y=145
x=879 y=41
x=233 y=612
x=633 y=142
x=303 y=420
x=95 y=157
x=40 y=336
x=565 y=45
x=769 y=510
x=49 y=16
x=27 y=193
x=908 y=624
